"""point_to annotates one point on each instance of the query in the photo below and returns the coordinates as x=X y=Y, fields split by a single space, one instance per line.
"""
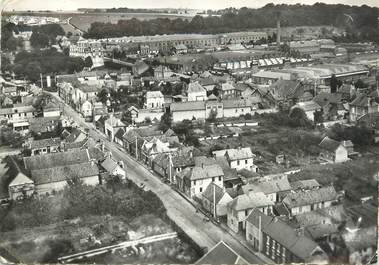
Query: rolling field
x=84 y=21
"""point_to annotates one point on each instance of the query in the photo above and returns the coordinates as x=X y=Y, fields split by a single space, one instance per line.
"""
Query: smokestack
x=278 y=32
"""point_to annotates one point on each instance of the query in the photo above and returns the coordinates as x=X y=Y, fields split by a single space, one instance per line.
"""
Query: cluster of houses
x=53 y=162
x=298 y=221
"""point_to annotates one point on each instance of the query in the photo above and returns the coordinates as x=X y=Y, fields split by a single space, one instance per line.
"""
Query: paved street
x=205 y=234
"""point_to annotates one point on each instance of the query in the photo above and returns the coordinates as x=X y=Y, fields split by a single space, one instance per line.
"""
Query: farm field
x=84 y=21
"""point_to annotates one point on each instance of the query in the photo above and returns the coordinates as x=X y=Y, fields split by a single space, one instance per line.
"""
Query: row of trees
x=31 y=64
x=364 y=20
x=42 y=36
x=45 y=35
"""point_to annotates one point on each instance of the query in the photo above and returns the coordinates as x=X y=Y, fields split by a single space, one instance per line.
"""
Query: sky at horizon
x=192 y=4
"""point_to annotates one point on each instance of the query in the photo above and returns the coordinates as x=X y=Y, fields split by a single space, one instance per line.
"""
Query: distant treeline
x=120 y=10
x=362 y=19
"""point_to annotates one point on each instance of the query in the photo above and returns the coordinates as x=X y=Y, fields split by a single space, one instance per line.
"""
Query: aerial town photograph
x=189 y=132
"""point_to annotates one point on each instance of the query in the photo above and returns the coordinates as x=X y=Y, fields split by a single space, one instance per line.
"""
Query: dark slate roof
x=109 y=164
x=120 y=132
x=324 y=98
x=333 y=214
x=44 y=143
x=329 y=144
x=221 y=254
x=62 y=173
x=362 y=100
x=250 y=201
x=298 y=244
x=305 y=184
x=213 y=191
x=56 y=159
x=43 y=124
x=302 y=198
x=285 y=89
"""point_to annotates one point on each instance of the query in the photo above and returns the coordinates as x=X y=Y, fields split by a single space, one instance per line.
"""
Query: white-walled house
x=112 y=125
x=274 y=189
x=48 y=180
x=309 y=200
x=154 y=100
x=194 y=181
x=333 y=151
x=196 y=92
x=215 y=200
x=86 y=109
x=240 y=158
x=113 y=167
x=51 y=110
x=241 y=206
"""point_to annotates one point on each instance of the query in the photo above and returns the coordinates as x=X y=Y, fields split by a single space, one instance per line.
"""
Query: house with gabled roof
x=310 y=200
x=333 y=151
x=181 y=158
x=222 y=253
x=196 y=92
x=280 y=242
x=363 y=104
x=151 y=148
x=21 y=187
x=323 y=224
x=194 y=181
x=112 y=125
x=274 y=189
x=44 y=146
x=215 y=199
x=306 y=184
x=51 y=109
x=239 y=158
x=50 y=172
x=227 y=90
x=241 y=206
x=113 y=167
x=154 y=100
x=134 y=138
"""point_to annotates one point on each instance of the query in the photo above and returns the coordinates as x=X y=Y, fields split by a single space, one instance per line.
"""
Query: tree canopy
x=364 y=21
x=32 y=64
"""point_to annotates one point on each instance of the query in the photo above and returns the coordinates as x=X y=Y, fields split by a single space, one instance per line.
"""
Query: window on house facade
x=283 y=255
x=246 y=161
x=213 y=179
x=201 y=189
x=238 y=162
x=219 y=178
x=194 y=182
x=246 y=212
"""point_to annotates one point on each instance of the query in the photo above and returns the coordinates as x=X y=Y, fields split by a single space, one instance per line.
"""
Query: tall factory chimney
x=278 y=32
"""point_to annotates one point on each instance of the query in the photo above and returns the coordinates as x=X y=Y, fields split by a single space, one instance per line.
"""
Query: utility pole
x=214 y=201
x=170 y=167
x=41 y=80
x=259 y=233
x=136 y=148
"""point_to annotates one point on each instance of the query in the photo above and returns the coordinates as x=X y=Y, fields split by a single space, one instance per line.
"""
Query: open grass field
x=84 y=21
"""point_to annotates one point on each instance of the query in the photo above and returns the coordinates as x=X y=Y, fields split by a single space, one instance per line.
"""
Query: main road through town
x=183 y=213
